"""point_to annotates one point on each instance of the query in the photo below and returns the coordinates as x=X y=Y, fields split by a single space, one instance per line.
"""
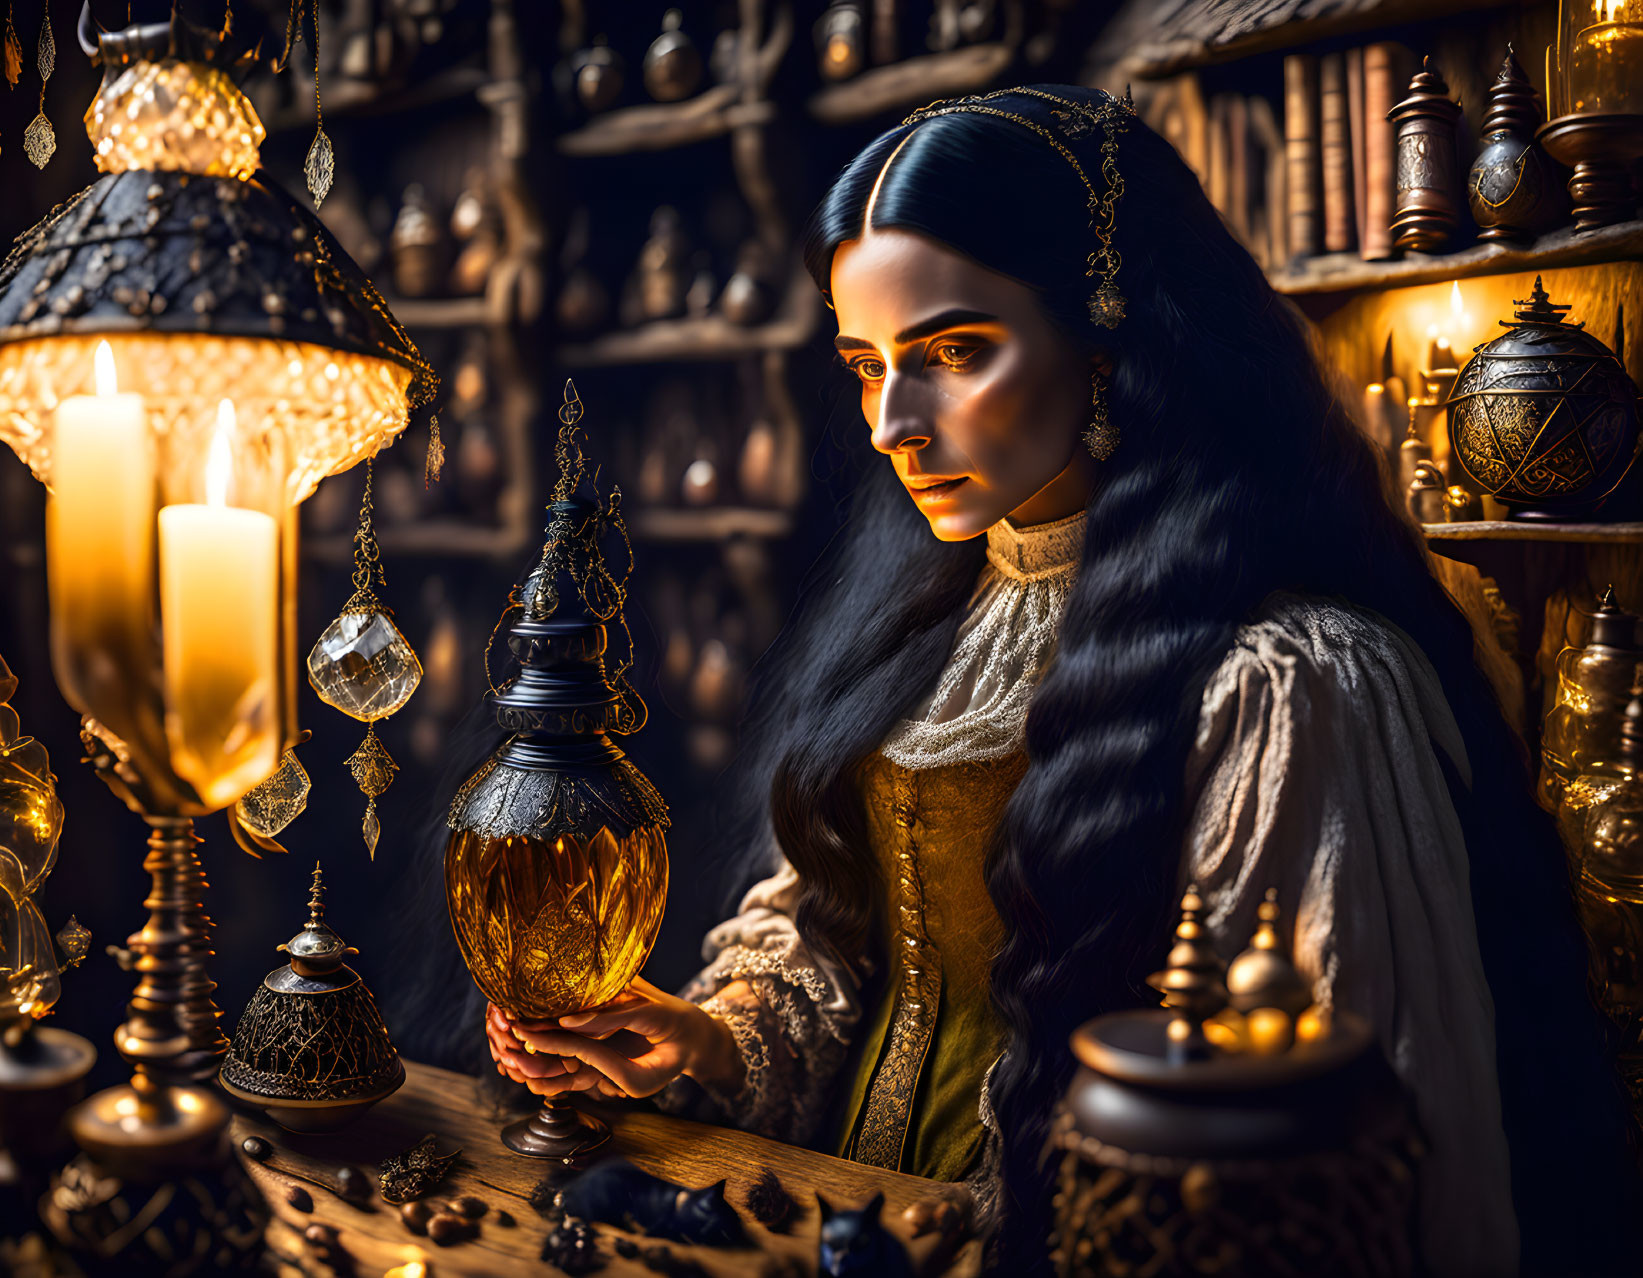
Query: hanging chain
x=367 y=554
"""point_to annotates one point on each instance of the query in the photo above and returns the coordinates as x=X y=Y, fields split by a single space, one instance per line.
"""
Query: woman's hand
x=545 y=1075
x=635 y=1045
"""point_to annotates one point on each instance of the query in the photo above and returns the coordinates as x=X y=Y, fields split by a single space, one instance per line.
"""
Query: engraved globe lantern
x=1544 y=417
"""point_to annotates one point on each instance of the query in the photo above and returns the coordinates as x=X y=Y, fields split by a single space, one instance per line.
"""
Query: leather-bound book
x=1303 y=156
x=1383 y=84
x=1339 y=218
x=1238 y=162
x=1355 y=126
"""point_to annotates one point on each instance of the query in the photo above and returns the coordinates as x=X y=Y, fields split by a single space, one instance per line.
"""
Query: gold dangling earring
x=1102 y=436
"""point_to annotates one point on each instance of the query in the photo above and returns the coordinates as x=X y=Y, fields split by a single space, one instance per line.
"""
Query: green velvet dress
x=915 y=1092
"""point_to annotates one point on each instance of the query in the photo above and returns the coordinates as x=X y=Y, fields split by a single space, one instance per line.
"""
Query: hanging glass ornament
x=435 y=461
x=320 y=166
x=11 y=60
x=278 y=801
x=363 y=665
x=39 y=139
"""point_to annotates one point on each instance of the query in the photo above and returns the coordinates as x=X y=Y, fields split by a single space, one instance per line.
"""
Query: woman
x=1126 y=608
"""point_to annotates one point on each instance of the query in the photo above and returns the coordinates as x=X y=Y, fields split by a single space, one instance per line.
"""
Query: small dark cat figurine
x=618 y=1193
x=855 y=1245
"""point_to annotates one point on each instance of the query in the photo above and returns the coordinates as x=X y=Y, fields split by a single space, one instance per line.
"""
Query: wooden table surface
x=450 y=1106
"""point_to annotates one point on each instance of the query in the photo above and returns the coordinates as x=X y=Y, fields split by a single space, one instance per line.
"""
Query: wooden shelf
x=666 y=124
x=913 y=83
x=431 y=313
x=1512 y=530
x=1347 y=272
x=709 y=523
x=710 y=337
x=1155 y=39
x=353 y=99
x=434 y=539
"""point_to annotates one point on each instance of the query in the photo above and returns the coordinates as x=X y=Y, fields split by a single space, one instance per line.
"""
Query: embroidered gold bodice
x=914 y=1102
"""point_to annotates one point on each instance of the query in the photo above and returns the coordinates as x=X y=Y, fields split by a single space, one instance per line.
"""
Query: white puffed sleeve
x=1316 y=771
x=792 y=1013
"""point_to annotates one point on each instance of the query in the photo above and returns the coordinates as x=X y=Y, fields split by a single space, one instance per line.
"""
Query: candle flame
x=1457 y=308
x=219 y=465
x=102 y=367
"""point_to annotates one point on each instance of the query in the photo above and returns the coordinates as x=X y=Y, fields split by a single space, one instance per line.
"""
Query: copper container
x=1428 y=174
x=1299 y=1163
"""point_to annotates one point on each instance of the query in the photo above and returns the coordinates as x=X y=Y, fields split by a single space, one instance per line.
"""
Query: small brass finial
x=316 y=901
x=317 y=949
x=1263 y=975
x=1191 y=981
x=1262 y=983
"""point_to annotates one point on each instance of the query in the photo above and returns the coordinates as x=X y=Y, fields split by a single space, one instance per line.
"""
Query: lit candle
x=1381 y=419
x=1440 y=352
x=100 y=543
x=220 y=623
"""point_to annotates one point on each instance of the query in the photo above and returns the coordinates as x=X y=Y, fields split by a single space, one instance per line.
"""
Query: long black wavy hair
x=1239 y=473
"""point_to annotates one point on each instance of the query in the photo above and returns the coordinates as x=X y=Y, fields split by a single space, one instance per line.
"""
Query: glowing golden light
x=103 y=371
x=219 y=465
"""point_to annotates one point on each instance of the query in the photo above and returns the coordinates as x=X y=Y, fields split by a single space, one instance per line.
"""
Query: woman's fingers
x=605 y=1056
x=507 y=1054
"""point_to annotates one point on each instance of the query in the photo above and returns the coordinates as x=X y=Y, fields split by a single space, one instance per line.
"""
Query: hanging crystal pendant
x=362 y=665
x=320 y=167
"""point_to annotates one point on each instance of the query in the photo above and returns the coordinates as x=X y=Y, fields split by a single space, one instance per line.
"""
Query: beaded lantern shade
x=207 y=279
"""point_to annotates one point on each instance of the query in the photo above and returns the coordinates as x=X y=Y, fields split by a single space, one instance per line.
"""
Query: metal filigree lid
x=317 y=950
x=512 y=796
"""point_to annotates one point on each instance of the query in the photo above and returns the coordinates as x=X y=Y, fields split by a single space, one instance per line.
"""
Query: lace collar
x=1038 y=550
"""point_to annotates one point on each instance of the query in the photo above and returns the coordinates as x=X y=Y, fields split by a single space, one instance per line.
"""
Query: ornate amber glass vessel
x=556 y=869
x=548 y=928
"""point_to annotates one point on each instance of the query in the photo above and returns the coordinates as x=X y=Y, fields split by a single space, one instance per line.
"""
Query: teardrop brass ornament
x=373 y=768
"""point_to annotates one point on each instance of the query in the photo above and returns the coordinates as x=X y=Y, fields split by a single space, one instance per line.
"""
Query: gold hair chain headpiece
x=1077 y=120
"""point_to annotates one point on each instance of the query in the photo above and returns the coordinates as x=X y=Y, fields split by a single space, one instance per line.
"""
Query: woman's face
x=970 y=389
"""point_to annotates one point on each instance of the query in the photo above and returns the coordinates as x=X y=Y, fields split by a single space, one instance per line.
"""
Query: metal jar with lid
x=1544 y=417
